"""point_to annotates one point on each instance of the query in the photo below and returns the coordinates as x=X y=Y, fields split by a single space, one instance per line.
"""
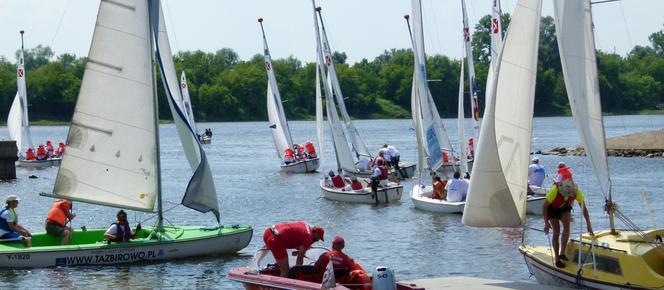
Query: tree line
x=225 y=88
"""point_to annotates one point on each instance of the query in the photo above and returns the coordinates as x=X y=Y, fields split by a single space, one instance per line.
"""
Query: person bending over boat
x=439 y=191
x=120 y=231
x=557 y=208
x=58 y=218
x=346 y=271
x=9 y=227
x=456 y=188
x=294 y=235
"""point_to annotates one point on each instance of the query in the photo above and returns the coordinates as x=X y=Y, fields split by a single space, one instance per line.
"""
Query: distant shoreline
x=47 y=122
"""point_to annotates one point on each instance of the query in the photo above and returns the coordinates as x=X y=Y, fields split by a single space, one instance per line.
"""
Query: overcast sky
x=361 y=28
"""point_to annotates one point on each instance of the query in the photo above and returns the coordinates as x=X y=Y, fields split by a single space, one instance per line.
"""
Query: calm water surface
x=252 y=191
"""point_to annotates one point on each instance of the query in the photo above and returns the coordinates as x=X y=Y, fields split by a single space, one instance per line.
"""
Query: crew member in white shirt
x=457 y=188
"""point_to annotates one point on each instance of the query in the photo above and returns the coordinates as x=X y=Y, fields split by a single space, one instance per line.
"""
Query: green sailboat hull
x=90 y=248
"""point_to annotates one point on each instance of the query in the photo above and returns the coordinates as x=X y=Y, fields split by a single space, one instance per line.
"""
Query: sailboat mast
x=609 y=207
x=152 y=15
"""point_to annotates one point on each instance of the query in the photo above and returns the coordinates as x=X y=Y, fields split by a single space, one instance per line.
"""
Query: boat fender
x=383 y=279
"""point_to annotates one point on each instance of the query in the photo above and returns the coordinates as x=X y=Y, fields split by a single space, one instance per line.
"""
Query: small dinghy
x=392 y=193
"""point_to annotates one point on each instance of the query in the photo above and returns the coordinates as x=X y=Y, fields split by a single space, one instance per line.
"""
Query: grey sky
x=361 y=28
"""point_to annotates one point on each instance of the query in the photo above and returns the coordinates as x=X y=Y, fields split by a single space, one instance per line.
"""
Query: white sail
x=436 y=138
x=275 y=109
x=474 y=104
x=320 y=133
x=186 y=101
x=418 y=88
x=111 y=146
x=17 y=122
x=496 y=41
x=201 y=193
x=497 y=192
x=460 y=124
x=358 y=144
x=577 y=54
x=343 y=154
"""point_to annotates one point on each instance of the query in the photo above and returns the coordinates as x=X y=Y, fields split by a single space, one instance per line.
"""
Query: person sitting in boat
x=120 y=231
x=58 y=218
x=355 y=184
x=9 y=227
x=337 y=180
x=345 y=268
x=289 y=157
x=536 y=174
x=381 y=157
x=439 y=191
x=30 y=154
x=208 y=132
x=60 y=150
x=49 y=149
x=299 y=152
x=311 y=150
x=41 y=153
x=294 y=235
x=556 y=209
x=456 y=188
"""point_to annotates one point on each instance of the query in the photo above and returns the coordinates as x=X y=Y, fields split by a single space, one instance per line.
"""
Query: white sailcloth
x=460 y=124
x=436 y=138
x=275 y=109
x=358 y=143
x=418 y=89
x=186 y=101
x=474 y=104
x=17 y=122
x=577 y=53
x=201 y=194
x=111 y=146
x=496 y=42
x=497 y=192
x=343 y=154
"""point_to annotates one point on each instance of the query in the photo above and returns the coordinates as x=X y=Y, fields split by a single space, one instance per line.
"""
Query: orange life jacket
x=30 y=155
x=49 y=147
x=445 y=157
x=59 y=212
x=383 y=172
x=41 y=151
x=60 y=150
x=289 y=153
x=310 y=148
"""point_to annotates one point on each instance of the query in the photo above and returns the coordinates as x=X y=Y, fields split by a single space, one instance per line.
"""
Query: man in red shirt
x=294 y=235
x=338 y=258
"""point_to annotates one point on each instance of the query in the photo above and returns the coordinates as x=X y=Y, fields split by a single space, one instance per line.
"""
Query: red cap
x=339 y=241
x=320 y=231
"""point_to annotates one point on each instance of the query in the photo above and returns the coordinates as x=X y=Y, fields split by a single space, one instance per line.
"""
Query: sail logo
x=328 y=59
x=183 y=85
x=20 y=73
x=494 y=25
x=466 y=34
x=268 y=65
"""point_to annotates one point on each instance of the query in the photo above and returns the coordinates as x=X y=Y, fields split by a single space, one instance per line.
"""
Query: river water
x=252 y=191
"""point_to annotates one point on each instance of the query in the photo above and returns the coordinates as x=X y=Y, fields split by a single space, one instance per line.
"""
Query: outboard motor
x=383 y=279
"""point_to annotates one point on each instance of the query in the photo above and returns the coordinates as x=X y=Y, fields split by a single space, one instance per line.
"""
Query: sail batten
x=497 y=191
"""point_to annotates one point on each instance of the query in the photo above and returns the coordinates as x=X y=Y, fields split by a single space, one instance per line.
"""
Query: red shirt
x=295 y=235
x=356 y=185
x=339 y=261
x=338 y=181
x=30 y=155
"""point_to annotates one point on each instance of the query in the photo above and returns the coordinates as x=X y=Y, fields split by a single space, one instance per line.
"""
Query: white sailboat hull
x=421 y=199
x=450 y=168
x=36 y=164
x=385 y=195
x=205 y=139
x=102 y=253
x=306 y=166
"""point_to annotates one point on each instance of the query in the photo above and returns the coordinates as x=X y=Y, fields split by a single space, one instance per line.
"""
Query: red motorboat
x=263 y=273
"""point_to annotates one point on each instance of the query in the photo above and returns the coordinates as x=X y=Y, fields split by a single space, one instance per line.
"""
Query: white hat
x=535 y=160
x=561 y=164
x=11 y=198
